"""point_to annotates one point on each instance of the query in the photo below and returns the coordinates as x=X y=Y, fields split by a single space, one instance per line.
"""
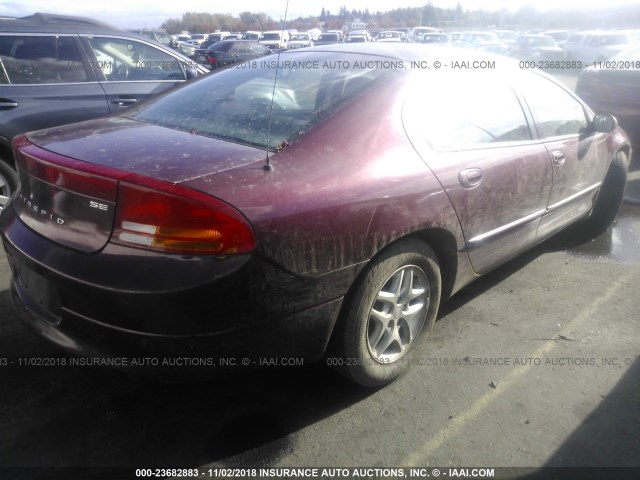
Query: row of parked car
x=583 y=47
x=60 y=69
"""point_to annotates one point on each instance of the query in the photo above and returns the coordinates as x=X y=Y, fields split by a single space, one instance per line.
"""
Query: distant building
x=357 y=24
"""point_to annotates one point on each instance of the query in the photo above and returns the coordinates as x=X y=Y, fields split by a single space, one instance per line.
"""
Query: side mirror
x=191 y=73
x=604 y=123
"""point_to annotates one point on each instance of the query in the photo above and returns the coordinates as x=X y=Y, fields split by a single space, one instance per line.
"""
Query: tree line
x=525 y=18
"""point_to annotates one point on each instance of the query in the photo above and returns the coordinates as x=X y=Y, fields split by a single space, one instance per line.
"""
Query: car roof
x=235 y=40
x=231 y=41
x=65 y=24
x=405 y=51
x=606 y=32
x=54 y=23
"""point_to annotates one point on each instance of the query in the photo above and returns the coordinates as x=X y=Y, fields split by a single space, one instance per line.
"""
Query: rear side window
x=29 y=60
x=462 y=111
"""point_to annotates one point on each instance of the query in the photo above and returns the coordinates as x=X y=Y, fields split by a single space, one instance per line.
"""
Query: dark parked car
x=213 y=38
x=257 y=215
x=537 y=48
x=228 y=52
x=614 y=87
x=441 y=39
x=328 y=39
x=57 y=69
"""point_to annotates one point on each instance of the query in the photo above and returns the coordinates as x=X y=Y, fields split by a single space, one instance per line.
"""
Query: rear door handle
x=470 y=177
x=558 y=157
x=4 y=103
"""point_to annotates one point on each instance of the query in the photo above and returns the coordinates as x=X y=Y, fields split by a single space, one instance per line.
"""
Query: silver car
x=598 y=45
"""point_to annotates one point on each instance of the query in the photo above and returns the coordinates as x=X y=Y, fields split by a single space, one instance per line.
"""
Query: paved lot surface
x=536 y=364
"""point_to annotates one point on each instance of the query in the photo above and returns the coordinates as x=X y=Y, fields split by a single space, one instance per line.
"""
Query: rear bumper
x=193 y=317
x=289 y=343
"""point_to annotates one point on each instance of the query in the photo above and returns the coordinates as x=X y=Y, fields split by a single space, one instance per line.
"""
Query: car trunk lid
x=74 y=202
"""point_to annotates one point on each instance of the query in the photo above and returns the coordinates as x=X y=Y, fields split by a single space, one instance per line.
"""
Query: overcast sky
x=152 y=13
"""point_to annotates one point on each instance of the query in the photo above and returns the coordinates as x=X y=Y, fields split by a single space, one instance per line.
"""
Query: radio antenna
x=267 y=166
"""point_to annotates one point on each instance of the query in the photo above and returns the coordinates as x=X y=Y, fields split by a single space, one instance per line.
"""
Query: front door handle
x=558 y=157
x=4 y=103
x=124 y=102
x=470 y=177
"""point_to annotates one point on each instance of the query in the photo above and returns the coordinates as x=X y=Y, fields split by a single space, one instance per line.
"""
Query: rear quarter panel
x=342 y=193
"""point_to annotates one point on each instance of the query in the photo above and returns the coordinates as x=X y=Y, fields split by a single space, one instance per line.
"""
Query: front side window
x=129 y=60
x=239 y=47
x=33 y=60
x=461 y=111
x=556 y=112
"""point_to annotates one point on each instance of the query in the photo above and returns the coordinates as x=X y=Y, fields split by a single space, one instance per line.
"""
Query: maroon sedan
x=321 y=208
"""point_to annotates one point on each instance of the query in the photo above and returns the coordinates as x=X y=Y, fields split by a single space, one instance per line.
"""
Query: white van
x=275 y=39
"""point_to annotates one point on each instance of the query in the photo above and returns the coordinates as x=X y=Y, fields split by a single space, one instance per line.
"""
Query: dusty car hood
x=121 y=143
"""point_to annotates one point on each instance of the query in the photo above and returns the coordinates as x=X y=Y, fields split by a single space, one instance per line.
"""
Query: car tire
x=609 y=198
x=8 y=182
x=394 y=302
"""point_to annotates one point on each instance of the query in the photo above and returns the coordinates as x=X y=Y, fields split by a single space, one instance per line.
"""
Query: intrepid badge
x=40 y=211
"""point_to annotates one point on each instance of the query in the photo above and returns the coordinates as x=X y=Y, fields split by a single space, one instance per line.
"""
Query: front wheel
x=393 y=303
x=609 y=198
x=8 y=182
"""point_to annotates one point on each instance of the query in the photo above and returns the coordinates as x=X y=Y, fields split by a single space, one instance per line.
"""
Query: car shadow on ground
x=61 y=416
x=83 y=416
x=606 y=444
x=616 y=421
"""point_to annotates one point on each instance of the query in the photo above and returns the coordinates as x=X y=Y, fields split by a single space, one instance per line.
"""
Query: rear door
x=474 y=134
x=45 y=81
x=131 y=70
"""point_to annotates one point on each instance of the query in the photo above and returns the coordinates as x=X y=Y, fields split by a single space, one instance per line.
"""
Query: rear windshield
x=236 y=104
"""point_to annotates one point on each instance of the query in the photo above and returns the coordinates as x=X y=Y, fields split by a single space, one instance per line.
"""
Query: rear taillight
x=150 y=214
x=213 y=60
x=66 y=173
x=160 y=216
